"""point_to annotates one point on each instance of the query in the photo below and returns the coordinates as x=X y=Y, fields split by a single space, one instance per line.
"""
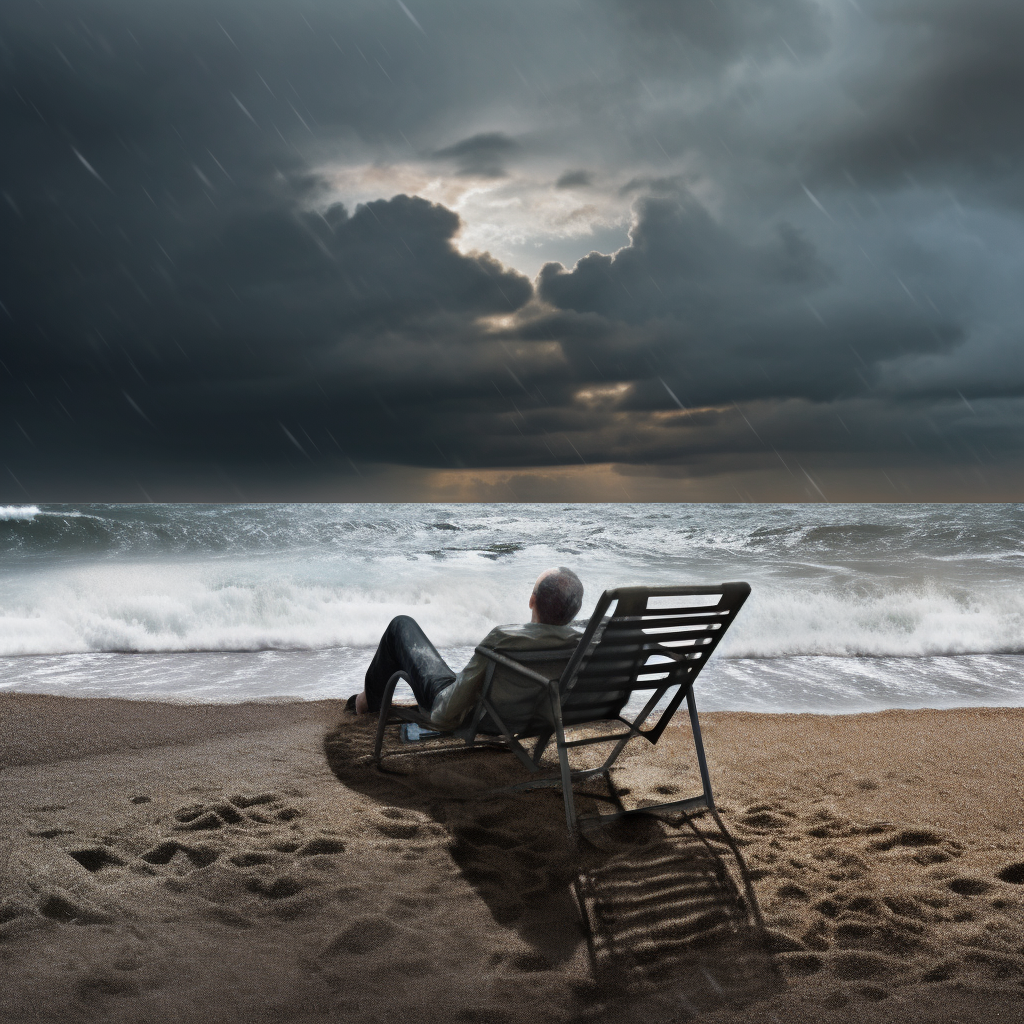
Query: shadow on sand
x=666 y=911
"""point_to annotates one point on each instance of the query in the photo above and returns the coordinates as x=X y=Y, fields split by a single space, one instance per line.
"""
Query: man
x=447 y=697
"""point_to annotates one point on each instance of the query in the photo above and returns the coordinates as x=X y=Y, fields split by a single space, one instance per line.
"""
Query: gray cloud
x=481 y=155
x=575 y=179
x=938 y=102
x=681 y=260
x=729 y=28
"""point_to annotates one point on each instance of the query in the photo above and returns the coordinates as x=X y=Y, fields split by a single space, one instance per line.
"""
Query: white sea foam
x=778 y=622
x=167 y=608
x=173 y=607
x=9 y=512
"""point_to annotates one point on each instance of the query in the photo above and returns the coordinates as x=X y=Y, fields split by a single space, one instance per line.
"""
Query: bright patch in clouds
x=520 y=219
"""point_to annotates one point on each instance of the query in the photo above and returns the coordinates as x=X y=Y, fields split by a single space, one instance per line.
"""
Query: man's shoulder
x=530 y=634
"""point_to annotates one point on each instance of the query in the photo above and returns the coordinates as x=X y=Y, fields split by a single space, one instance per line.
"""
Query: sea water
x=853 y=607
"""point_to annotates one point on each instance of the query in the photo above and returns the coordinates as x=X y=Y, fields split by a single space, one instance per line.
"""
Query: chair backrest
x=639 y=638
x=644 y=638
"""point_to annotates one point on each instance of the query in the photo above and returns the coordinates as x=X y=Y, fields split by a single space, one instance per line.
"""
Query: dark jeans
x=404 y=647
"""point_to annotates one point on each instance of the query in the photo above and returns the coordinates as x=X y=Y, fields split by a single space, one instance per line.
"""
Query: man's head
x=557 y=596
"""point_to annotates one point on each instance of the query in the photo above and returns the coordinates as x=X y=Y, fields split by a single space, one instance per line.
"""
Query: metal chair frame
x=636 y=646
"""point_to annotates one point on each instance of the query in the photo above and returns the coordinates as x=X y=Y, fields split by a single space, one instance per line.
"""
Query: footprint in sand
x=67 y=908
x=830 y=826
x=765 y=818
x=967 y=886
x=254 y=804
x=11 y=909
x=366 y=937
x=1012 y=873
x=996 y=965
x=50 y=833
x=791 y=891
x=847 y=866
x=922 y=846
x=396 y=823
x=878 y=935
x=240 y=809
x=97 y=858
x=250 y=859
x=892 y=924
x=185 y=856
x=856 y=965
x=366 y=934
x=278 y=888
x=321 y=846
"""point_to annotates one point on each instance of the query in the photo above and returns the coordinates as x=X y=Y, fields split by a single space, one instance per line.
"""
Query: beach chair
x=653 y=639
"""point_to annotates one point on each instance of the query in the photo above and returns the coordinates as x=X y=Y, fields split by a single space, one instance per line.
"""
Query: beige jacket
x=453 y=702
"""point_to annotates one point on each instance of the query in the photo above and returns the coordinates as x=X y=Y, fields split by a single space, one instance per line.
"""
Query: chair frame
x=616 y=648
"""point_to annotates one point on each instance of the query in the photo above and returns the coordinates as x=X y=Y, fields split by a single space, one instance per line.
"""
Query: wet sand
x=246 y=863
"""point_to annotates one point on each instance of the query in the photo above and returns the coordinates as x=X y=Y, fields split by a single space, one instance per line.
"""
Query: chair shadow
x=672 y=932
x=668 y=930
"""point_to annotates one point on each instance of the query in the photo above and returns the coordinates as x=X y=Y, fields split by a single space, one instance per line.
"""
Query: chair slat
x=613 y=685
x=656 y=634
x=607 y=681
x=606 y=673
x=603 y=700
x=631 y=621
x=608 y=666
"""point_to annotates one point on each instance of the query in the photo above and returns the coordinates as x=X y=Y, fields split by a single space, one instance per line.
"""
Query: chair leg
x=385 y=709
x=705 y=778
x=563 y=760
x=513 y=744
x=542 y=744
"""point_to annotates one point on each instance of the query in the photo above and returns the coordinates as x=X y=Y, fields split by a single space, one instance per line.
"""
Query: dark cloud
x=681 y=261
x=938 y=101
x=482 y=155
x=728 y=28
x=575 y=179
x=231 y=343
x=824 y=258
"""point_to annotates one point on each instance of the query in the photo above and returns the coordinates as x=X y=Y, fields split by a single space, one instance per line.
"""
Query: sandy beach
x=246 y=863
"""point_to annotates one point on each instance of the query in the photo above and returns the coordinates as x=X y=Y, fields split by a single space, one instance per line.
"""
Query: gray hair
x=559 y=596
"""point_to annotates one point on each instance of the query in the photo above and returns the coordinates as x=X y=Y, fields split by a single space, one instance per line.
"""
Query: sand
x=246 y=863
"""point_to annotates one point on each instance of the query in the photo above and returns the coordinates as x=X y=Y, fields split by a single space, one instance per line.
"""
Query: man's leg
x=404 y=647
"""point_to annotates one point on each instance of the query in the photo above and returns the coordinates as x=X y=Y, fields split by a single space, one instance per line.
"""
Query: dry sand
x=168 y=863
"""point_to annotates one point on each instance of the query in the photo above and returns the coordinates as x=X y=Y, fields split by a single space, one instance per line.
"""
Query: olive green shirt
x=455 y=700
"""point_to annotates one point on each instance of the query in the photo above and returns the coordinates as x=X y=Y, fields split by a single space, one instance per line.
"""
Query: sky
x=599 y=250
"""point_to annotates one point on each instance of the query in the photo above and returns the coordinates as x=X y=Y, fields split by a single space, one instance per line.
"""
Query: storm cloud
x=768 y=250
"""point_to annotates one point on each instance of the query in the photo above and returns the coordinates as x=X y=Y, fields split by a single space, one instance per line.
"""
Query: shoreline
x=243 y=862
x=815 y=684
x=91 y=726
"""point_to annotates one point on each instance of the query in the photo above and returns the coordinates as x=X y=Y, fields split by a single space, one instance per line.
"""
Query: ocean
x=853 y=607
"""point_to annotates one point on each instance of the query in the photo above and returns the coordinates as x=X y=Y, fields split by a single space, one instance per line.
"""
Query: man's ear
x=533 y=601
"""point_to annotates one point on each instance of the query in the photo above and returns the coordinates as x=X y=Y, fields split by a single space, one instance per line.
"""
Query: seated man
x=446 y=696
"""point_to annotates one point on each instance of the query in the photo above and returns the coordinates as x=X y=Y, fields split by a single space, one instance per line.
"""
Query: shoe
x=350 y=704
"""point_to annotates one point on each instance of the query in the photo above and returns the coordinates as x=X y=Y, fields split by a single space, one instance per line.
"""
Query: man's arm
x=453 y=703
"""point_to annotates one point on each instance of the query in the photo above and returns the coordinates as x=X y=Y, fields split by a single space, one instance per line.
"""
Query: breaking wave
x=842 y=581
x=179 y=608
x=25 y=513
